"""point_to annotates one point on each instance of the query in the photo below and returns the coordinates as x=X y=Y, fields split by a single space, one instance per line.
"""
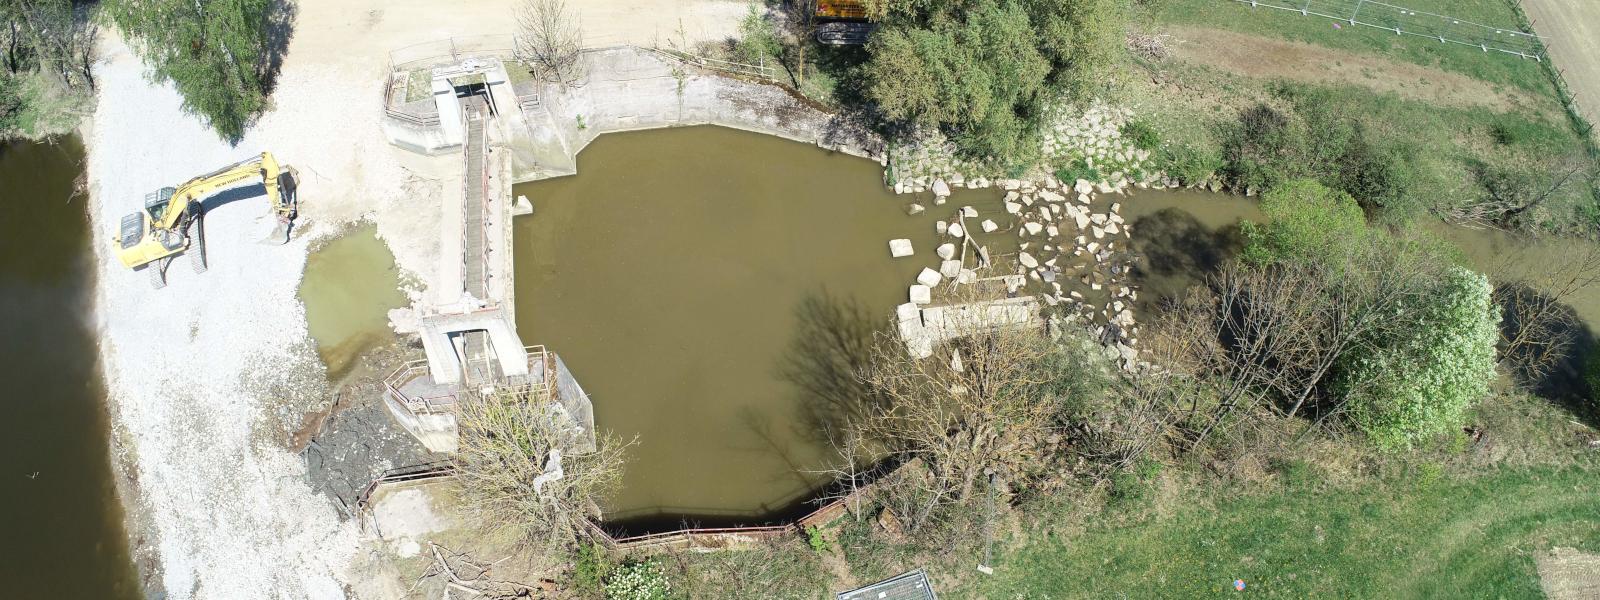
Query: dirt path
x=1572 y=37
x=1255 y=56
x=1568 y=574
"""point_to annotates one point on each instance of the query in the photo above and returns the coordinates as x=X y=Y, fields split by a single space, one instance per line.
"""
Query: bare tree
x=550 y=38
x=997 y=402
x=1537 y=328
x=1270 y=336
x=525 y=464
x=1509 y=194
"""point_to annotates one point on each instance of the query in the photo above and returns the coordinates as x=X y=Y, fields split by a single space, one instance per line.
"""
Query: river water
x=674 y=274
x=59 y=516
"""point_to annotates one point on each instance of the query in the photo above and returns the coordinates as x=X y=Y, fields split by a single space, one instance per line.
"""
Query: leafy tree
x=758 y=39
x=1420 y=382
x=218 y=53
x=987 y=71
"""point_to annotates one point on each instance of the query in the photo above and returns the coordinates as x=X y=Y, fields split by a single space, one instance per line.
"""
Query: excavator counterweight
x=171 y=220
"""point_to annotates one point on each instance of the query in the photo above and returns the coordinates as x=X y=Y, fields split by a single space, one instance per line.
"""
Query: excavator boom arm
x=263 y=166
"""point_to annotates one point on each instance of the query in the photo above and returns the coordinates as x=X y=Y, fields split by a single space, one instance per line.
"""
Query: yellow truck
x=171 y=222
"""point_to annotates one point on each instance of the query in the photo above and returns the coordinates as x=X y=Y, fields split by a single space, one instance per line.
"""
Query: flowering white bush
x=638 y=581
x=1420 y=385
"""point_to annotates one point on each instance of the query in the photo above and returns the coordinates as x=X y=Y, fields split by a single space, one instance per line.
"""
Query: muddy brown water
x=59 y=516
x=349 y=286
x=673 y=274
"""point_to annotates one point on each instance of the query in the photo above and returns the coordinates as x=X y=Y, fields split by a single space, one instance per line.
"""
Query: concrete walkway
x=1572 y=32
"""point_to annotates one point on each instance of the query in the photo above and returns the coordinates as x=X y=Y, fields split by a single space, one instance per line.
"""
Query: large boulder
x=929 y=277
x=921 y=294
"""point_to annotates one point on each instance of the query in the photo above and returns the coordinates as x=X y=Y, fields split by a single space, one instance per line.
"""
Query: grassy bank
x=1474 y=62
x=37 y=105
x=1419 y=535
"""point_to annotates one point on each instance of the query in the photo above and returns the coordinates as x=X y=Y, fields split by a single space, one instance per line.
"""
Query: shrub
x=758 y=39
x=590 y=569
x=1141 y=134
x=1264 y=148
x=640 y=580
x=1190 y=165
x=1420 y=380
x=1078 y=169
x=1378 y=177
x=1306 y=222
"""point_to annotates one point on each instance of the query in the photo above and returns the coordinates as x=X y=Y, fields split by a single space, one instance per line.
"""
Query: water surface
x=675 y=275
x=59 y=516
x=349 y=286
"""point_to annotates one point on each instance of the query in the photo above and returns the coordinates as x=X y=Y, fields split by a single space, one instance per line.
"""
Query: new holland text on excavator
x=171 y=222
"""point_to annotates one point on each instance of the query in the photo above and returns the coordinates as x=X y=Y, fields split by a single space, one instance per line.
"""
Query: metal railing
x=1405 y=21
x=452 y=49
x=760 y=71
x=391 y=107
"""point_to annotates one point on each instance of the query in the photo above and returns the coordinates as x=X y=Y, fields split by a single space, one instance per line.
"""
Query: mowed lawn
x=1492 y=67
x=1418 y=538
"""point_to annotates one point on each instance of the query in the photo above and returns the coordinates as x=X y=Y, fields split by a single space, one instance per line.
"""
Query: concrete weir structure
x=470 y=344
x=513 y=132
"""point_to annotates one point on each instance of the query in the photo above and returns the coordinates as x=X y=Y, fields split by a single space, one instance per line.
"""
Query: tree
x=550 y=38
x=987 y=71
x=758 y=42
x=1419 y=381
x=525 y=465
x=218 y=53
x=1323 y=311
x=996 y=403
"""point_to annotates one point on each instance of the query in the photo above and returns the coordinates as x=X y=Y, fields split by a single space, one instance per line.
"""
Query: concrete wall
x=631 y=88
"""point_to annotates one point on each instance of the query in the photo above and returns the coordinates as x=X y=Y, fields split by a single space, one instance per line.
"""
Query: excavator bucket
x=279 y=235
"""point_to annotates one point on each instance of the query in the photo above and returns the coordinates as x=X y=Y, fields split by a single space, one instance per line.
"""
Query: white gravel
x=196 y=370
x=205 y=375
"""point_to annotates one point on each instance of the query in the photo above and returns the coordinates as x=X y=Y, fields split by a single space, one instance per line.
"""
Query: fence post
x=1357 y=11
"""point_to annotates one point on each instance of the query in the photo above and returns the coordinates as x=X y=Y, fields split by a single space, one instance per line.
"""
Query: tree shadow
x=1179 y=251
x=278 y=31
x=1562 y=382
x=833 y=344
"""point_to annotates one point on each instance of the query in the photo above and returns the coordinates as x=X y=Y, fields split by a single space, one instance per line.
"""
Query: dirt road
x=1572 y=36
x=1298 y=61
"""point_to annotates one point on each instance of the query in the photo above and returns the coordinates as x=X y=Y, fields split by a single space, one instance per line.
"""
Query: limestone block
x=946 y=251
x=950 y=268
x=989 y=226
x=900 y=248
x=929 y=277
x=921 y=294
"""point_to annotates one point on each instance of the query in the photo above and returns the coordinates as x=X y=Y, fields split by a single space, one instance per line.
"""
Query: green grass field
x=1496 y=68
x=1426 y=536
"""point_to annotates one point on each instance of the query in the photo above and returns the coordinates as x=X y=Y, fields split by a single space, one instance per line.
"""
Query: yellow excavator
x=172 y=220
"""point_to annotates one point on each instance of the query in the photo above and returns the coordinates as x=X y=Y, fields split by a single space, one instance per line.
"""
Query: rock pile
x=1073 y=242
